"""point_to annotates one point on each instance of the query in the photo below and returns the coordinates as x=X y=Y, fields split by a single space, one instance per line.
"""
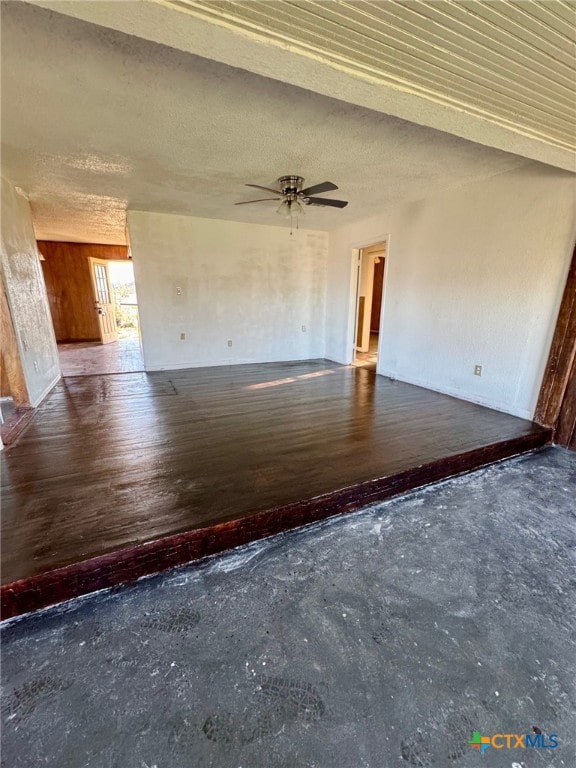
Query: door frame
x=124 y=261
x=355 y=264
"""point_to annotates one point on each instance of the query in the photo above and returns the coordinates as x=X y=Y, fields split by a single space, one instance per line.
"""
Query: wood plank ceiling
x=512 y=62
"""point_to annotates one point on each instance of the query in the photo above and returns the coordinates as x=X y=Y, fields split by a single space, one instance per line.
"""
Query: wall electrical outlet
x=477 y=370
x=36 y=368
x=229 y=342
x=303 y=329
x=178 y=290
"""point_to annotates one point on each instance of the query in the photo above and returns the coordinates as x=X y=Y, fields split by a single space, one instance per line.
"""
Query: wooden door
x=103 y=300
x=377 y=288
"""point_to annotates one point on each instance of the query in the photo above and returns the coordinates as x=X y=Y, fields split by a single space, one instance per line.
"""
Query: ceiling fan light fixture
x=289 y=208
x=284 y=209
x=296 y=208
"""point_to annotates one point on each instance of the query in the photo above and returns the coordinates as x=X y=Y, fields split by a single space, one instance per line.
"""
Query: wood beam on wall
x=12 y=381
x=566 y=427
x=556 y=406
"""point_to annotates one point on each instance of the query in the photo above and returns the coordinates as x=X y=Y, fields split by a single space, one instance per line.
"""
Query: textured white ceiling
x=95 y=121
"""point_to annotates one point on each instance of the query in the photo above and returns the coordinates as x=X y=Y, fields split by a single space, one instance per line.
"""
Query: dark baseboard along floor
x=15 y=422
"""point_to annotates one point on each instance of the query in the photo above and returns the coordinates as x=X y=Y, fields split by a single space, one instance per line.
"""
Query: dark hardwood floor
x=118 y=476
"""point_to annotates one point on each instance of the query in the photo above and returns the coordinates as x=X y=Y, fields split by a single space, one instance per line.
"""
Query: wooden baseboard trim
x=12 y=429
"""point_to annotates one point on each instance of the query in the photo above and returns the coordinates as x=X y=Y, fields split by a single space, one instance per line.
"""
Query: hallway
x=368 y=359
x=92 y=358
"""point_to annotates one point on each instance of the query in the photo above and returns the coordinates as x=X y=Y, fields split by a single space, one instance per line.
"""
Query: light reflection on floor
x=93 y=358
x=289 y=380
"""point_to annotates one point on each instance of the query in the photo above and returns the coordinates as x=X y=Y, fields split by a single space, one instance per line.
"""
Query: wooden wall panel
x=67 y=275
x=88 y=250
x=12 y=382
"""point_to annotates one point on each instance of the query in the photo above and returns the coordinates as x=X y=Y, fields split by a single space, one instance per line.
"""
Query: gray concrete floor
x=383 y=638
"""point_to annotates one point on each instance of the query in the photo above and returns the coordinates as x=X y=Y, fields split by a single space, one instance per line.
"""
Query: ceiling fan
x=293 y=196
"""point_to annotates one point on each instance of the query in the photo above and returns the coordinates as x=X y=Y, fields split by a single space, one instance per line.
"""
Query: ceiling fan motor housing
x=291 y=186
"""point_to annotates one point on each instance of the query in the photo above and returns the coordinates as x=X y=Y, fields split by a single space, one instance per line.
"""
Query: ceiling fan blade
x=325 y=186
x=266 y=189
x=326 y=201
x=262 y=200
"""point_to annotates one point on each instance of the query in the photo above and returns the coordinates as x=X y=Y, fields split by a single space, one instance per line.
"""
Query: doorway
x=369 y=296
x=116 y=305
x=92 y=296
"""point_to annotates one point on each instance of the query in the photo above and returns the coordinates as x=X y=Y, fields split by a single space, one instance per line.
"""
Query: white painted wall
x=26 y=294
x=256 y=285
x=473 y=276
